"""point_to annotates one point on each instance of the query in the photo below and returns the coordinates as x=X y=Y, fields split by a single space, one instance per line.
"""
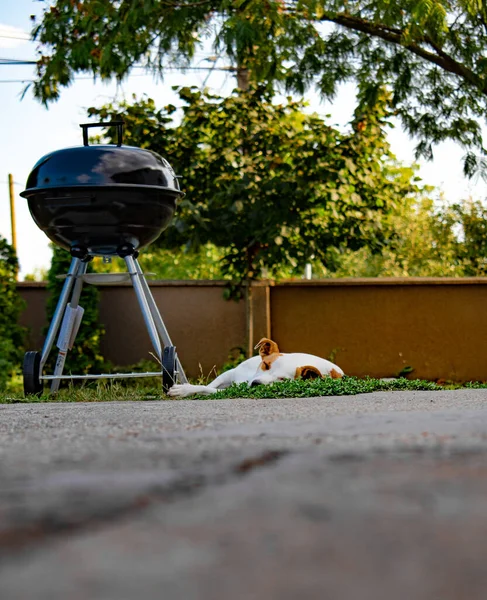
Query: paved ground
x=379 y=496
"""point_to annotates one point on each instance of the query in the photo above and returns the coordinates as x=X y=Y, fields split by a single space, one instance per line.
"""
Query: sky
x=28 y=130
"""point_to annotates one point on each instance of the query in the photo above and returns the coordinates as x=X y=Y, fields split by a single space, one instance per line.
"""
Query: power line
x=226 y=69
x=16 y=62
x=16 y=37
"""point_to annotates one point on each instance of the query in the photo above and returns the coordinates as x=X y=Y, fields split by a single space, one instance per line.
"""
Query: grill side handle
x=118 y=124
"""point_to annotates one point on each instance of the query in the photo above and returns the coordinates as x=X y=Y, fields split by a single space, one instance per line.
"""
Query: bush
x=86 y=355
x=11 y=334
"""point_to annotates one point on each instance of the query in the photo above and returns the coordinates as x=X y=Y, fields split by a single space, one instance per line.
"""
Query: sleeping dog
x=270 y=366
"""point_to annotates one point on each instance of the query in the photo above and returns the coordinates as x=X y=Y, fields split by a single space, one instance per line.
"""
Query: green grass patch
x=298 y=388
x=101 y=391
x=109 y=391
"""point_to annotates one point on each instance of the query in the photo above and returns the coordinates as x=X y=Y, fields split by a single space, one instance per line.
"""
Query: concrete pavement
x=371 y=496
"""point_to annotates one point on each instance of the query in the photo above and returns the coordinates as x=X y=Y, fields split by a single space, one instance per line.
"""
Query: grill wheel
x=168 y=367
x=31 y=374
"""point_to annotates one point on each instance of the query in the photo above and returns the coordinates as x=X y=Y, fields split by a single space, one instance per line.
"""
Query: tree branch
x=394 y=36
x=184 y=4
x=483 y=15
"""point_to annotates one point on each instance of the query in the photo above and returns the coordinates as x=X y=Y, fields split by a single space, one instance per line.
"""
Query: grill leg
x=64 y=344
x=159 y=323
x=58 y=313
x=136 y=278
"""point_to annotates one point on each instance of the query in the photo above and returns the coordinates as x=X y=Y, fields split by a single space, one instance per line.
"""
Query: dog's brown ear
x=307 y=372
x=334 y=374
x=266 y=347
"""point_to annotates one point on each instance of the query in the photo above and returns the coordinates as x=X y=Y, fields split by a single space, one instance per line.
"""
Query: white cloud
x=12 y=37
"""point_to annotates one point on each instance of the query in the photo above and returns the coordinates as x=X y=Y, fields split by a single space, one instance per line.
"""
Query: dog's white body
x=270 y=366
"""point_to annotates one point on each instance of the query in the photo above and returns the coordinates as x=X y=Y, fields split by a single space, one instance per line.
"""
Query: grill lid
x=101 y=165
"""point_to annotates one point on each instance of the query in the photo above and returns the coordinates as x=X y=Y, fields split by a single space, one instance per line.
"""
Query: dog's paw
x=174 y=391
x=181 y=390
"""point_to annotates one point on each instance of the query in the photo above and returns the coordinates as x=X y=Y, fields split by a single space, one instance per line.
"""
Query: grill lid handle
x=118 y=124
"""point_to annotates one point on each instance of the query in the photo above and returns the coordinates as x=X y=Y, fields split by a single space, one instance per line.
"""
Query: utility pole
x=243 y=78
x=12 y=210
x=12 y=213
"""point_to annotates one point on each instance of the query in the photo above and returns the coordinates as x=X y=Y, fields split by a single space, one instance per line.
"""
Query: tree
x=268 y=184
x=469 y=219
x=425 y=244
x=11 y=334
x=429 y=53
x=429 y=241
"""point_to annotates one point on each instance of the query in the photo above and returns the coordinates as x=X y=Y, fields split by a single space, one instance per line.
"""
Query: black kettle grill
x=101 y=200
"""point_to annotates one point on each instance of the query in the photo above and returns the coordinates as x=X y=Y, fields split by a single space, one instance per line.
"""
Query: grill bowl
x=102 y=197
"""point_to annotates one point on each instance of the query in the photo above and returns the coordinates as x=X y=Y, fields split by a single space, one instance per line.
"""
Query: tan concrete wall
x=370 y=327
x=377 y=327
x=202 y=325
x=33 y=317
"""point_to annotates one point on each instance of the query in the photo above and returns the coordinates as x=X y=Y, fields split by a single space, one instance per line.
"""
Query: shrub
x=11 y=334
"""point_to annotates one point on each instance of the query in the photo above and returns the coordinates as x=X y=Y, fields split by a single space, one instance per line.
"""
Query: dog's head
x=276 y=366
x=266 y=347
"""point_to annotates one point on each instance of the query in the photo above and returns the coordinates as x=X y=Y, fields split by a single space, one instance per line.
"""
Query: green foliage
x=85 y=356
x=11 y=334
x=177 y=263
x=471 y=243
x=428 y=241
x=429 y=53
x=235 y=357
x=268 y=184
x=38 y=274
x=422 y=244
